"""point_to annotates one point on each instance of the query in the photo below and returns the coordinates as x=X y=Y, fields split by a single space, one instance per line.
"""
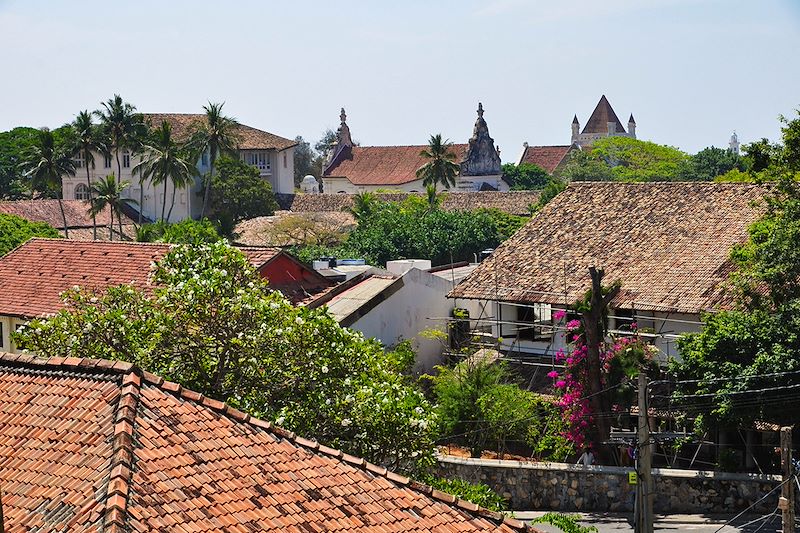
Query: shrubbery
x=16 y=230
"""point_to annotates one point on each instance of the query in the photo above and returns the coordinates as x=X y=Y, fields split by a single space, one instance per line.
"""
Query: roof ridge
x=75 y=242
x=132 y=376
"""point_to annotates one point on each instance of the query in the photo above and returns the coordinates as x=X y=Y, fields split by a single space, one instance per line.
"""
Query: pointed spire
x=575 y=119
x=480 y=110
x=343 y=116
x=630 y=120
x=602 y=115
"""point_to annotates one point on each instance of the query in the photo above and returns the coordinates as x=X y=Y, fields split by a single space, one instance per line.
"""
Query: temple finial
x=343 y=116
x=480 y=110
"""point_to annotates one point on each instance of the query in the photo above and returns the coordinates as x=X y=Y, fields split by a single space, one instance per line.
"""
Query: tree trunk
x=119 y=219
x=119 y=171
x=207 y=193
x=594 y=328
x=164 y=200
x=91 y=198
x=141 y=198
x=111 y=223
x=63 y=216
x=172 y=204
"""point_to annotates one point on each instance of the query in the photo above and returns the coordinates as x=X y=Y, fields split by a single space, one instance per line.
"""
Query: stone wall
x=564 y=487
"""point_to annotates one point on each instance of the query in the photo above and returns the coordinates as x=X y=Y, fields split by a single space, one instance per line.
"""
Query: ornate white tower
x=733 y=144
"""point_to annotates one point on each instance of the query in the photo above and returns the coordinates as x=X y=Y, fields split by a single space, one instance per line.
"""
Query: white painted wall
x=409 y=311
x=469 y=183
x=9 y=324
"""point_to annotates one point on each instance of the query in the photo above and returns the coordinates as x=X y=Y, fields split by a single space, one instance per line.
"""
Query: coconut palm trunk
x=207 y=194
x=63 y=215
x=172 y=203
x=89 y=185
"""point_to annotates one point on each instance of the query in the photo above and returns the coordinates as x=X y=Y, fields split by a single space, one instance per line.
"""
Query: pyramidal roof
x=601 y=116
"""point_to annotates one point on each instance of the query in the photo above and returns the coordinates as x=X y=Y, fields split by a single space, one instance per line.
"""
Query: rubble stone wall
x=567 y=488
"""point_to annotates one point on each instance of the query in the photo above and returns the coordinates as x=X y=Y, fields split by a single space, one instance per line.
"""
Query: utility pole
x=645 y=488
x=786 y=502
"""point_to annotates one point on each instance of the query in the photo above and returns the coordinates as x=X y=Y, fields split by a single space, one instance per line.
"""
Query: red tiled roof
x=601 y=116
x=668 y=243
x=76 y=212
x=383 y=165
x=92 y=445
x=249 y=138
x=547 y=157
x=33 y=276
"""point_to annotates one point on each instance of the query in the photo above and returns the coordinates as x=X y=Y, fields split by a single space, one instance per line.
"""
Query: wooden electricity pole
x=786 y=503
x=645 y=487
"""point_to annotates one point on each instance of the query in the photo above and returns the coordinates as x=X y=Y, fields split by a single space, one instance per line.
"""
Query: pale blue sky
x=691 y=71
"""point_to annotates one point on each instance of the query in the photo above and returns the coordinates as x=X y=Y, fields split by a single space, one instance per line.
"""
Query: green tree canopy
x=525 y=176
x=238 y=192
x=440 y=168
x=626 y=159
x=187 y=231
x=15 y=231
x=214 y=326
x=711 y=162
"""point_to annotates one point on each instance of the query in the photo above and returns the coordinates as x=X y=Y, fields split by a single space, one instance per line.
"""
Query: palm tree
x=121 y=125
x=87 y=141
x=163 y=162
x=46 y=164
x=434 y=199
x=364 y=206
x=218 y=136
x=440 y=168
x=108 y=192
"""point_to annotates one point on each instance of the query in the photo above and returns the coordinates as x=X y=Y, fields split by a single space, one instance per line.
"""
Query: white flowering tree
x=214 y=326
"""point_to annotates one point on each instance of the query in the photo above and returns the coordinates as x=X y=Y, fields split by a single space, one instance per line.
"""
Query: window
x=284 y=160
x=126 y=160
x=260 y=160
x=107 y=161
x=82 y=192
x=204 y=159
x=534 y=322
x=78 y=161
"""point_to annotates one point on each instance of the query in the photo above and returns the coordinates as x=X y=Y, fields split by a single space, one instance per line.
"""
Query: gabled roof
x=383 y=165
x=513 y=202
x=92 y=445
x=601 y=116
x=249 y=138
x=76 y=212
x=547 y=157
x=33 y=276
x=668 y=243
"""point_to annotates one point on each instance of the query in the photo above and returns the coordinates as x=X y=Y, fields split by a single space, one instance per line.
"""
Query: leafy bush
x=477 y=493
x=16 y=230
x=525 y=176
x=506 y=224
x=185 y=232
x=238 y=192
x=564 y=522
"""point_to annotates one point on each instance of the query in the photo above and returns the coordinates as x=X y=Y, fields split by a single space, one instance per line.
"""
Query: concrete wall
x=468 y=184
x=566 y=488
x=407 y=312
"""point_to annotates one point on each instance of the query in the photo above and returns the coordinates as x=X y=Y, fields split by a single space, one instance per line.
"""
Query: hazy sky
x=691 y=71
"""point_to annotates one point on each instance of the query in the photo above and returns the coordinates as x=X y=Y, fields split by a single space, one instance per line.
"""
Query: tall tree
x=218 y=136
x=88 y=140
x=108 y=193
x=121 y=125
x=46 y=164
x=163 y=162
x=440 y=168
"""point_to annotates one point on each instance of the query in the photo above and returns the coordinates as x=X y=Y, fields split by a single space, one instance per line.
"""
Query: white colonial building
x=271 y=154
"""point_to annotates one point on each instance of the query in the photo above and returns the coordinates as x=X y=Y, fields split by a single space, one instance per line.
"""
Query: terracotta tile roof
x=601 y=116
x=547 y=157
x=668 y=243
x=513 y=202
x=383 y=165
x=33 y=276
x=76 y=212
x=91 y=445
x=249 y=138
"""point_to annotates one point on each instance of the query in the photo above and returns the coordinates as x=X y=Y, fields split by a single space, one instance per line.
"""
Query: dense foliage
x=479 y=405
x=16 y=230
x=525 y=176
x=564 y=522
x=626 y=159
x=413 y=229
x=238 y=193
x=214 y=326
x=477 y=493
x=185 y=232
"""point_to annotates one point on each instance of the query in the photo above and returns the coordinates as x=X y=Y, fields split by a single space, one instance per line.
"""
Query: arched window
x=81 y=192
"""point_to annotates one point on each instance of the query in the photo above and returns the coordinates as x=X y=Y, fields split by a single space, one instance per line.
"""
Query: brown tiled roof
x=383 y=165
x=33 y=276
x=76 y=212
x=249 y=138
x=91 y=445
x=547 y=157
x=513 y=202
x=668 y=243
x=601 y=116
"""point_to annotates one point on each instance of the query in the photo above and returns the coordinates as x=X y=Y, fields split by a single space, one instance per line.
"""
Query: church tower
x=632 y=127
x=602 y=123
x=733 y=144
x=576 y=129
